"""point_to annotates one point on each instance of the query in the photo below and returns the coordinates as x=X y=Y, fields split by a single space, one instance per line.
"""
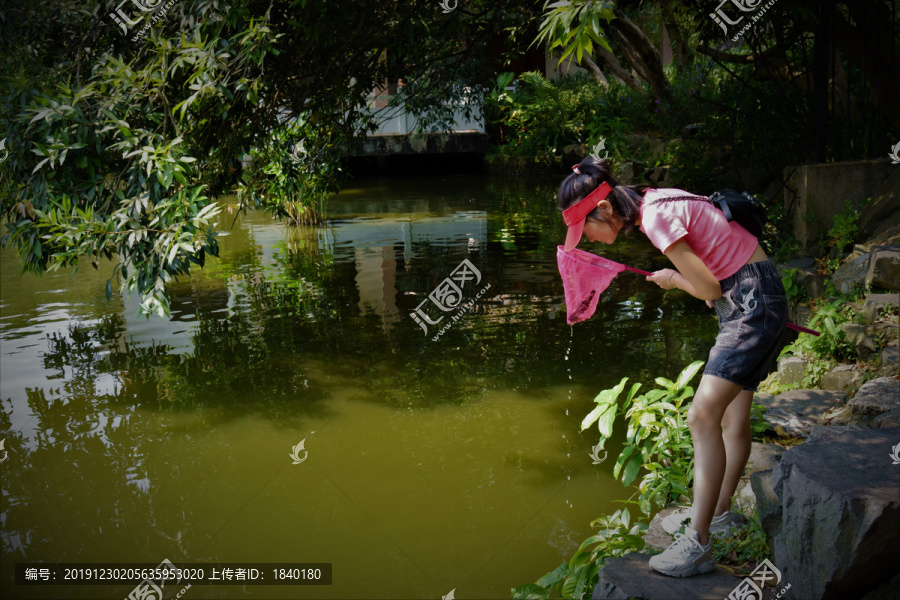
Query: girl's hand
x=663 y=278
x=711 y=303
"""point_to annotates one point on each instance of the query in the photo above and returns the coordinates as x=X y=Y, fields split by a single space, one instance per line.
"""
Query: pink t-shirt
x=722 y=246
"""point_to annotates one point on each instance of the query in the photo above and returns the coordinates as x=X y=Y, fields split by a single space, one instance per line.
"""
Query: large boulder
x=840 y=513
x=804 y=402
x=763 y=456
x=768 y=505
x=631 y=577
x=851 y=275
x=890 y=362
x=792 y=369
x=842 y=377
x=875 y=397
x=884 y=268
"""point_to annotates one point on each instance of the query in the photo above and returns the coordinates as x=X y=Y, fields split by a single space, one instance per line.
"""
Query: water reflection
x=432 y=465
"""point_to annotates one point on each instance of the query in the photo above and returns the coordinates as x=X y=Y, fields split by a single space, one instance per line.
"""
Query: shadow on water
x=434 y=463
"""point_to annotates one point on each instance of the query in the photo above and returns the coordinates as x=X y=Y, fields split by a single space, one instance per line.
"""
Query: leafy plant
x=843 y=230
x=831 y=346
x=746 y=543
x=792 y=289
x=575 y=27
x=658 y=441
x=658 y=438
x=576 y=577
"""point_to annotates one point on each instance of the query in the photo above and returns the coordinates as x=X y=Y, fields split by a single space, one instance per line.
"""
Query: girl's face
x=599 y=231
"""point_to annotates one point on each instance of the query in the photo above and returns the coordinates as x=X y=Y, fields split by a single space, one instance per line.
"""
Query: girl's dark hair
x=625 y=199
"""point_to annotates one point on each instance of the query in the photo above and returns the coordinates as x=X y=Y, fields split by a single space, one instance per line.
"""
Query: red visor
x=574 y=215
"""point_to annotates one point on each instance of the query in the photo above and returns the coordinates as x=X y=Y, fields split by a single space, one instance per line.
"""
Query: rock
x=768 y=505
x=791 y=369
x=658 y=175
x=574 y=153
x=866 y=349
x=886 y=420
x=745 y=500
x=888 y=233
x=876 y=302
x=799 y=313
x=842 y=377
x=884 y=299
x=890 y=362
x=803 y=262
x=856 y=335
x=763 y=457
x=635 y=141
x=884 y=205
x=840 y=513
x=805 y=274
x=657 y=147
x=804 y=402
x=884 y=268
x=630 y=576
x=793 y=424
x=630 y=173
x=874 y=398
x=854 y=332
x=851 y=275
x=656 y=536
x=888 y=330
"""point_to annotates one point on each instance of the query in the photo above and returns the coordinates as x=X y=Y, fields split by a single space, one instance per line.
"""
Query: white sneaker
x=685 y=557
x=721 y=525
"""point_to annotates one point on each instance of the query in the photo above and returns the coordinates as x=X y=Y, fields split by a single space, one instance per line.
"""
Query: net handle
x=637 y=270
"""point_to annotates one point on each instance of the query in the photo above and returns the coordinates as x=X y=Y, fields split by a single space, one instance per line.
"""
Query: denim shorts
x=752 y=315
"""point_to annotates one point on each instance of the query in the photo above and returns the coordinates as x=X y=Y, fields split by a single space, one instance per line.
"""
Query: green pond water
x=429 y=465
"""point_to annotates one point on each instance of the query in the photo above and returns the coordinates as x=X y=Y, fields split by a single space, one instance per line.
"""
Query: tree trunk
x=594 y=70
x=615 y=67
x=676 y=38
x=647 y=55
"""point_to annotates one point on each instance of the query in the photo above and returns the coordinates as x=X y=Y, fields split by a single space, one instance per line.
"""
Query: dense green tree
x=122 y=120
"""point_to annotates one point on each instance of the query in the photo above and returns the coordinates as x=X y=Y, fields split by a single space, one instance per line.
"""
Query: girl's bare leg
x=711 y=400
x=736 y=437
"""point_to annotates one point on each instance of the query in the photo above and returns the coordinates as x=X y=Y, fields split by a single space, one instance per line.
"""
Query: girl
x=720 y=262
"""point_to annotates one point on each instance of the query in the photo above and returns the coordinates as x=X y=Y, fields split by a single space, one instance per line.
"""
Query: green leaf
x=572 y=582
x=592 y=416
x=663 y=382
x=688 y=374
x=631 y=470
x=553 y=577
x=606 y=420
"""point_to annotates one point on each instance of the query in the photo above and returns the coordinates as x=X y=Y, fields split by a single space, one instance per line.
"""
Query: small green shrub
x=747 y=543
x=577 y=577
x=793 y=290
x=658 y=441
x=658 y=438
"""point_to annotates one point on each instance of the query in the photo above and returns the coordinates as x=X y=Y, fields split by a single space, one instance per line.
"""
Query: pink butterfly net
x=585 y=276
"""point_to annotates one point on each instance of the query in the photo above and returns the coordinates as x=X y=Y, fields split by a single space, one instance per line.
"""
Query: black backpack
x=742 y=208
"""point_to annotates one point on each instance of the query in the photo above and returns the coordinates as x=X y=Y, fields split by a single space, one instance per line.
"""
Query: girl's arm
x=692 y=275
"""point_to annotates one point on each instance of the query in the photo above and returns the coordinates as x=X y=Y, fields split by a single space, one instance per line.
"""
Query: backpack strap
x=671 y=198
